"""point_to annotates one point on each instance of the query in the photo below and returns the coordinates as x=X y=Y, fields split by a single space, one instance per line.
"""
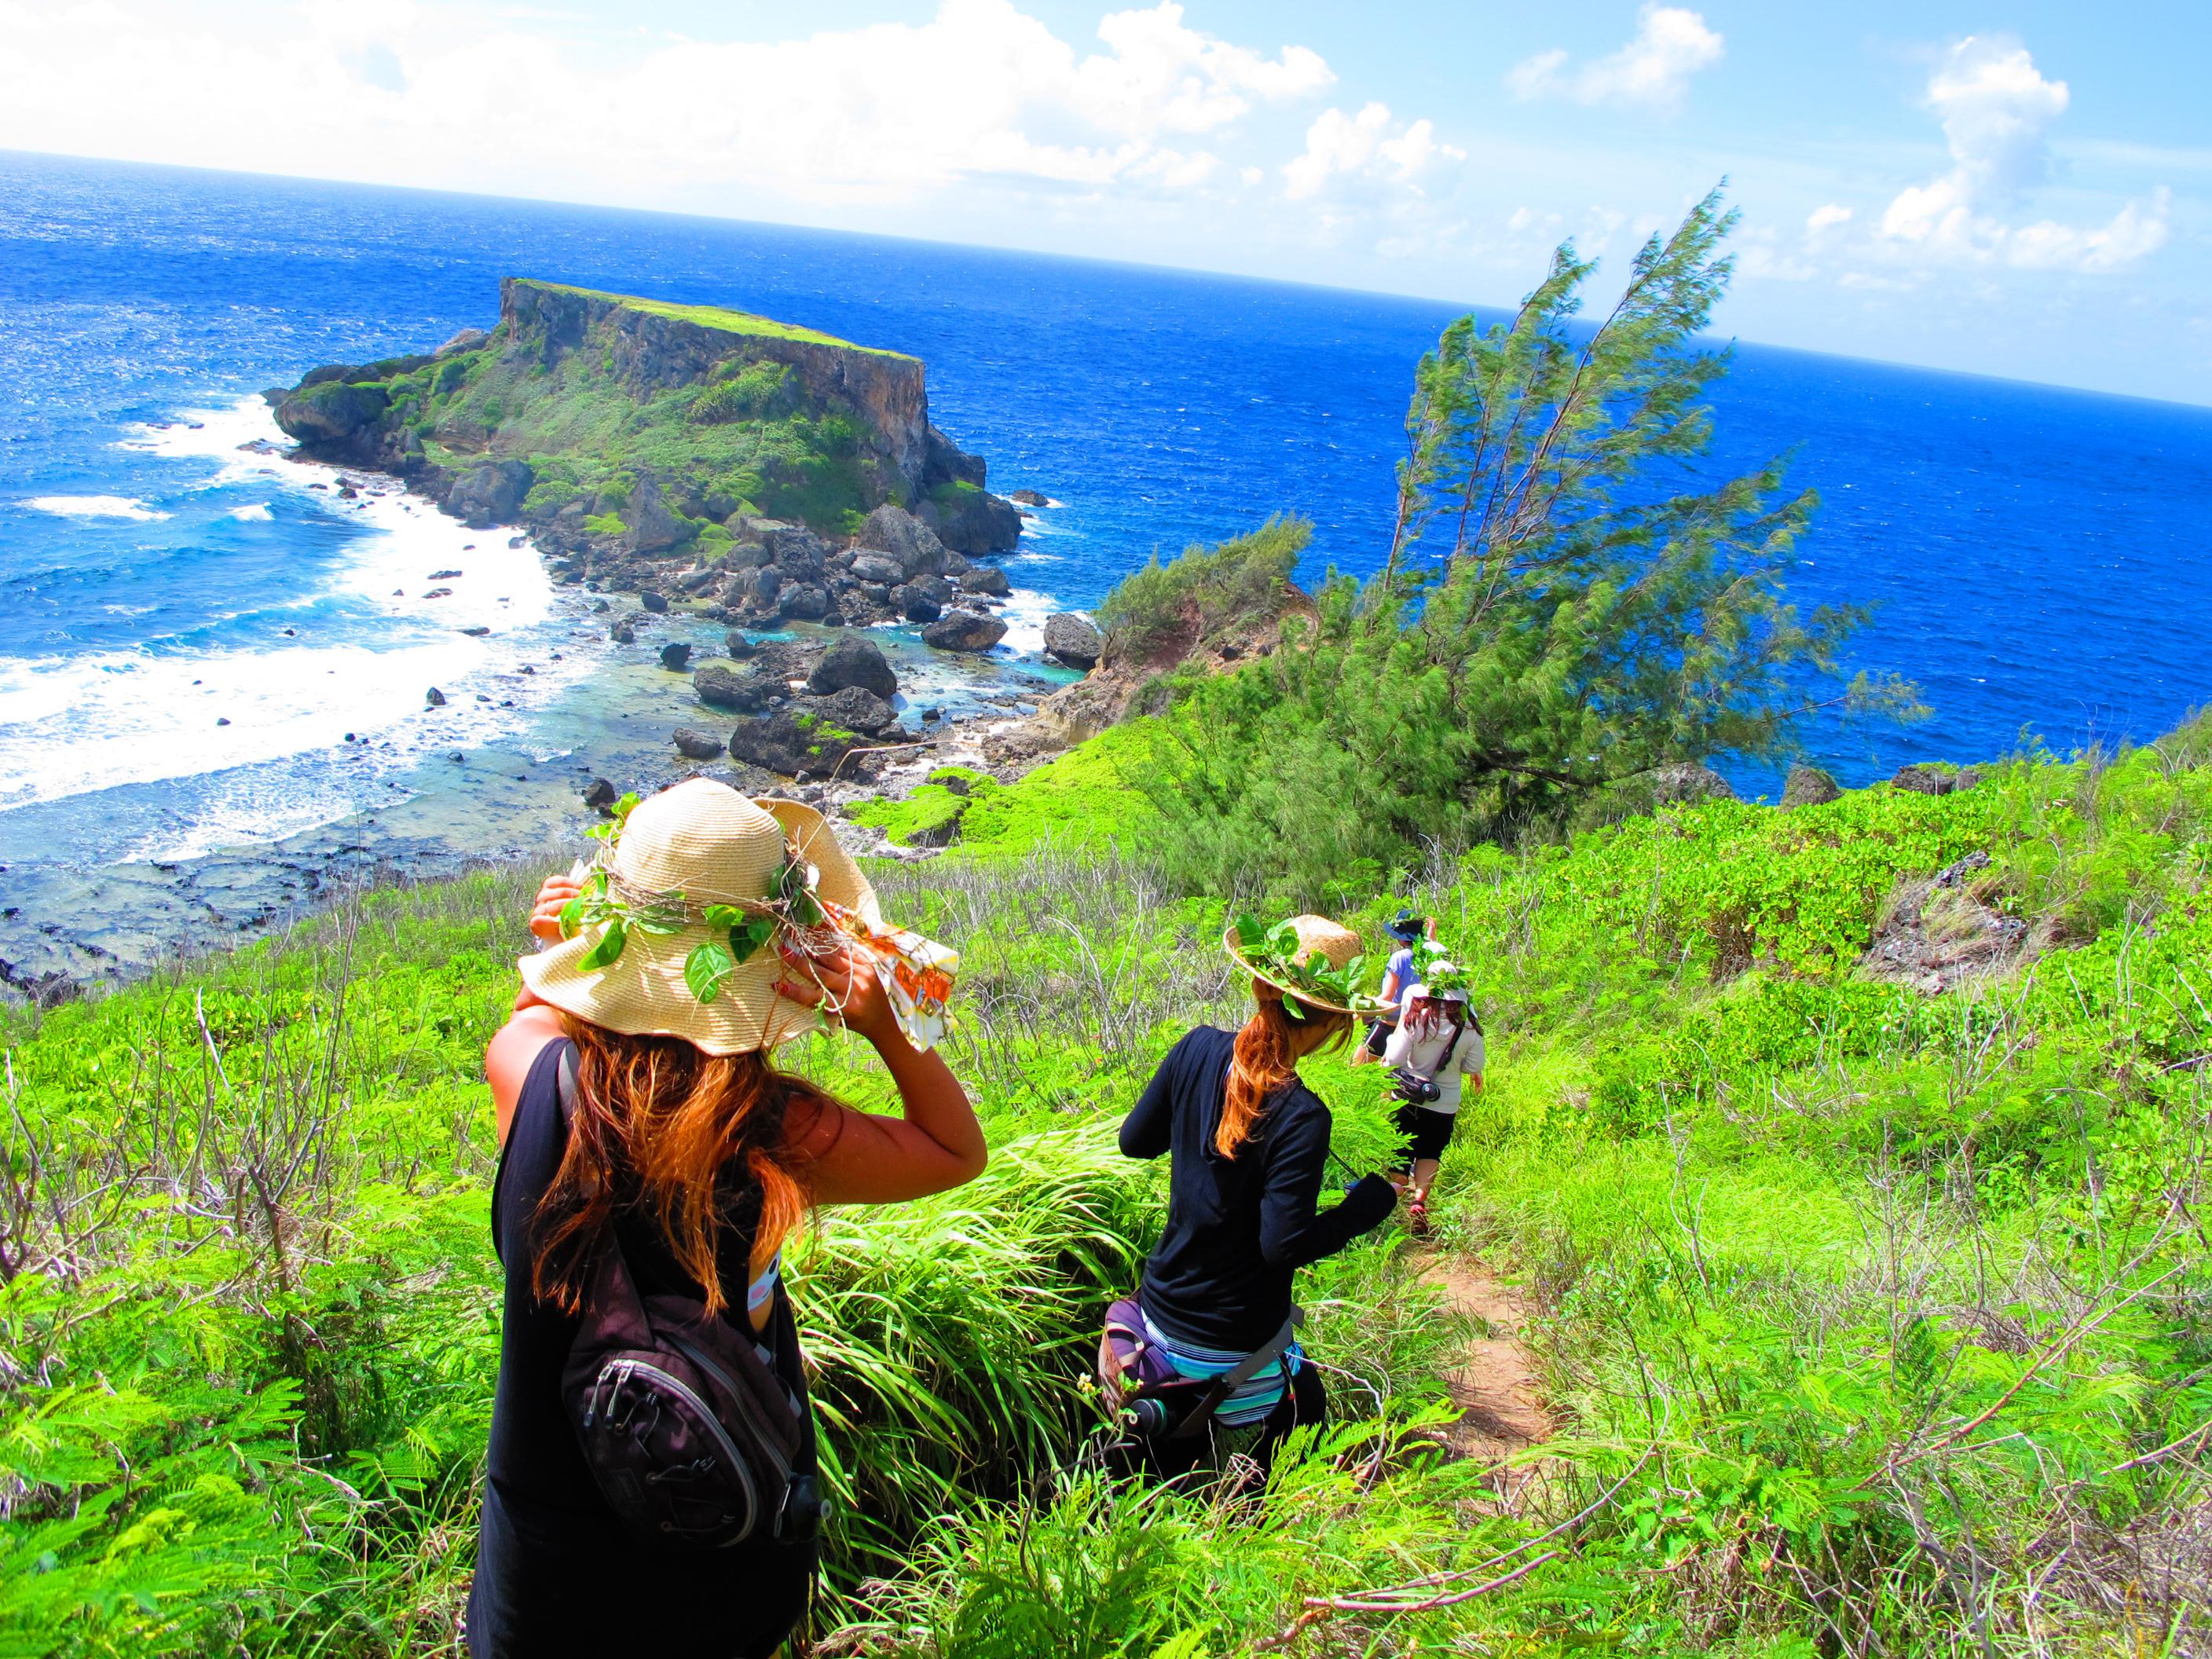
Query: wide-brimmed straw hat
x=710 y=845
x=1335 y=943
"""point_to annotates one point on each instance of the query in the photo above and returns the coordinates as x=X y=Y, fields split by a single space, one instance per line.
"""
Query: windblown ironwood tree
x=1557 y=615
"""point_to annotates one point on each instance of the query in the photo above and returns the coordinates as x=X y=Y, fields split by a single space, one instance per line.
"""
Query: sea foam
x=96 y=507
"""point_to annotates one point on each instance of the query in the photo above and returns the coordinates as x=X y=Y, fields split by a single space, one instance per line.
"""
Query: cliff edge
x=619 y=426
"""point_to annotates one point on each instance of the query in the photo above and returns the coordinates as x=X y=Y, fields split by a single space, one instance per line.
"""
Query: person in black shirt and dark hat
x=1249 y=1143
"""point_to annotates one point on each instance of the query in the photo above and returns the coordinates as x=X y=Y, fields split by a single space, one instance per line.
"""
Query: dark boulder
x=804 y=602
x=878 y=567
x=854 y=710
x=986 y=579
x=600 y=793
x=698 y=745
x=490 y=494
x=1072 y=639
x=623 y=631
x=963 y=631
x=656 y=603
x=721 y=686
x=853 y=660
x=738 y=643
x=767 y=583
x=911 y=602
x=1027 y=498
x=434 y=698
x=1808 y=785
x=676 y=657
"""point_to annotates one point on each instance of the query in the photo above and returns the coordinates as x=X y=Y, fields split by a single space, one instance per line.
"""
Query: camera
x=1414 y=1089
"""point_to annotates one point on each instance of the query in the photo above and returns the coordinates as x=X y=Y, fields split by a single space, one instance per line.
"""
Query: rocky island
x=703 y=455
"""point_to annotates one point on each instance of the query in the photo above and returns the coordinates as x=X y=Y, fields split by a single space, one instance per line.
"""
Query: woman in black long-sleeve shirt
x=1249 y=1143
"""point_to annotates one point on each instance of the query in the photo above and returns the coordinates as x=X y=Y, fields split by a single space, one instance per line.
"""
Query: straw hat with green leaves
x=675 y=933
x=1320 y=963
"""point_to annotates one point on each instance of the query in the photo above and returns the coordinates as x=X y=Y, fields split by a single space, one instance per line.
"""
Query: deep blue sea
x=2041 y=559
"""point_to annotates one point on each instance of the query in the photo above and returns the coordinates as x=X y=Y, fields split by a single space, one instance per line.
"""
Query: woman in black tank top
x=684 y=1144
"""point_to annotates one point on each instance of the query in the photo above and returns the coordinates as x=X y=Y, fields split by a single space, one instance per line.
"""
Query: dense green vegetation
x=750 y=439
x=1557 y=618
x=1870 y=1320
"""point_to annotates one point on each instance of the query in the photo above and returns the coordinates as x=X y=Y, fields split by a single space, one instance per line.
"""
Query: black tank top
x=556 y=1573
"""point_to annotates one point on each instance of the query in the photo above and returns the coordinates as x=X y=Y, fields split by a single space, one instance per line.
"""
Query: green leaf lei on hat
x=1274 y=952
x=748 y=927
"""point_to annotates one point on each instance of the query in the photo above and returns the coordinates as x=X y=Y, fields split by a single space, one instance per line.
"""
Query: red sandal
x=1417 y=1218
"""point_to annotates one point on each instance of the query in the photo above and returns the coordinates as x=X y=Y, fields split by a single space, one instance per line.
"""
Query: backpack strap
x=1238 y=1374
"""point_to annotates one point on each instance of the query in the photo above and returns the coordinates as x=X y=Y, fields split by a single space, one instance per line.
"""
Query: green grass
x=721 y=318
x=1868 y=1321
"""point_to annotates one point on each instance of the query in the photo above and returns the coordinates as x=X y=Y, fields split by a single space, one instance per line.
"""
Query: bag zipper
x=683 y=1391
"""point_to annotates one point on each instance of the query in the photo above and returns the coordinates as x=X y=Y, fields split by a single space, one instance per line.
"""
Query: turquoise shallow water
x=2039 y=556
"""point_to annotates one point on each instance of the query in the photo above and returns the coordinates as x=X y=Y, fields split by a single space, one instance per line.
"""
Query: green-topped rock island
x=719 y=460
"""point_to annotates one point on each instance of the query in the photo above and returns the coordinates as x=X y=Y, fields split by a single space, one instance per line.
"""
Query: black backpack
x=697 y=1435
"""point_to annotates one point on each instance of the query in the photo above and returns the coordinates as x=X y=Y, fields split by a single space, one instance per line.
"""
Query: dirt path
x=1493 y=1381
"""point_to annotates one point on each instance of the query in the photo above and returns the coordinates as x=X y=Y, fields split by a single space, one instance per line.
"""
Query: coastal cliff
x=640 y=441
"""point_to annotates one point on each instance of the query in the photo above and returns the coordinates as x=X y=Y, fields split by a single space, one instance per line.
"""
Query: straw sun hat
x=700 y=843
x=1320 y=943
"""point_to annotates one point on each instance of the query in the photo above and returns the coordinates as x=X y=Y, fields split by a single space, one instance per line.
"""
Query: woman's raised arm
x=861 y=1158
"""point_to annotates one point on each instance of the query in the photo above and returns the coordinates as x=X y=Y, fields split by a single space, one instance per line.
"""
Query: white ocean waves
x=96 y=507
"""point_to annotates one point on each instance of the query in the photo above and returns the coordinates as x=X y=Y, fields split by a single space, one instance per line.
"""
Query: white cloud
x=1997 y=107
x=1363 y=146
x=1672 y=44
x=1826 y=217
x=492 y=99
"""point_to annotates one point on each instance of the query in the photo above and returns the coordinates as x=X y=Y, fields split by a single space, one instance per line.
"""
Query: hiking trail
x=1492 y=1380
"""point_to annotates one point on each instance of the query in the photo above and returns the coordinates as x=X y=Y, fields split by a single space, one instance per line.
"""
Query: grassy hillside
x=1872 y=1320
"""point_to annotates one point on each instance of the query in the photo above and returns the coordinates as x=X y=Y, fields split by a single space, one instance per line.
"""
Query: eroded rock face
x=853 y=661
x=1072 y=639
x=963 y=631
x=1808 y=785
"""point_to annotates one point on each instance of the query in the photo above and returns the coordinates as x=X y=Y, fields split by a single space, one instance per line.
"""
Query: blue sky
x=2011 y=188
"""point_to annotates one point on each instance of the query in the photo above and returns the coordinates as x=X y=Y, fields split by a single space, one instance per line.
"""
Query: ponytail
x=1265 y=1059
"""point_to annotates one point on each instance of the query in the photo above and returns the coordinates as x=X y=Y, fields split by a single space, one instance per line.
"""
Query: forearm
x=1325 y=1232
x=932 y=1102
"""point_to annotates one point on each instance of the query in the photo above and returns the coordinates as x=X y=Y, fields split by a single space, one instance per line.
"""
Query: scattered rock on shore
x=600 y=793
x=434 y=698
x=1072 y=639
x=676 y=656
x=853 y=660
x=963 y=631
x=697 y=745
x=1926 y=780
x=721 y=686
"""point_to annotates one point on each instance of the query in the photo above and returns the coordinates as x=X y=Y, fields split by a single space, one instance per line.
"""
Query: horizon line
x=1203 y=272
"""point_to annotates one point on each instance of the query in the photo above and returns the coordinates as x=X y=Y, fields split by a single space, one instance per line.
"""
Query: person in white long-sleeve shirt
x=1438 y=1040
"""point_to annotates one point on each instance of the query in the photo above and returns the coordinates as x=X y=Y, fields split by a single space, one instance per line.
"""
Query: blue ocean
x=207 y=656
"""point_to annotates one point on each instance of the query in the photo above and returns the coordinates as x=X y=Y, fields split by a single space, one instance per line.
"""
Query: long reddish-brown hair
x=1265 y=1059
x=658 y=1125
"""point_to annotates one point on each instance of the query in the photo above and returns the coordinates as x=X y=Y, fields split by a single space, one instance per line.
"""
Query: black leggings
x=1303 y=1402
